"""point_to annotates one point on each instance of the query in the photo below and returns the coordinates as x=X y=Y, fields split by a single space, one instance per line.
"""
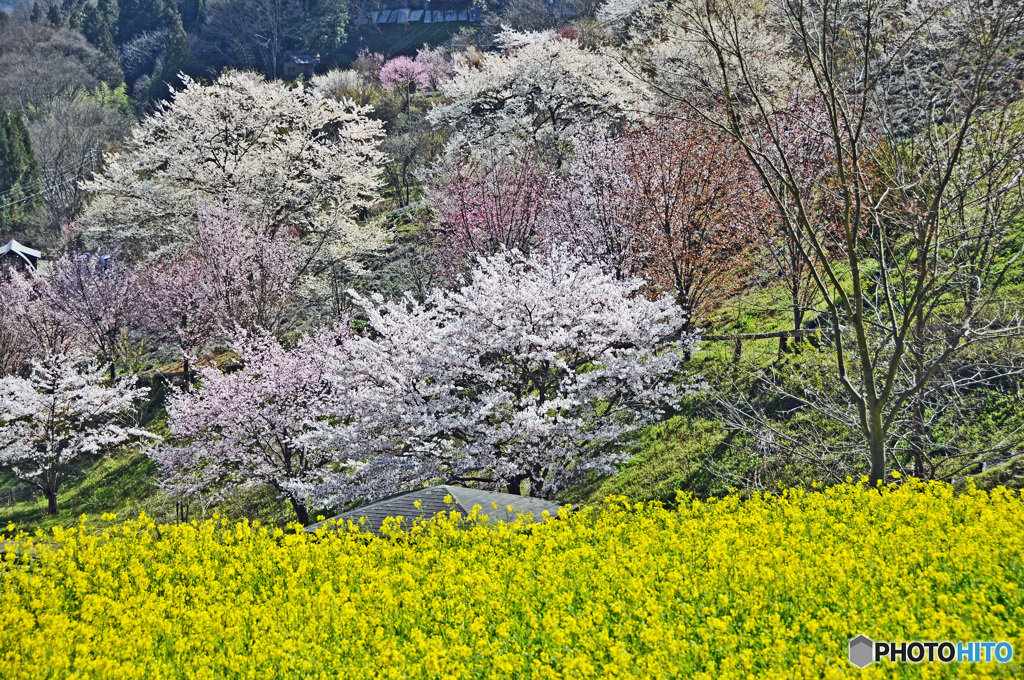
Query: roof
x=432 y=502
x=15 y=247
x=301 y=58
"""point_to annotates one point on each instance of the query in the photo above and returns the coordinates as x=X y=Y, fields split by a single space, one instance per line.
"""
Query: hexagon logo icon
x=862 y=651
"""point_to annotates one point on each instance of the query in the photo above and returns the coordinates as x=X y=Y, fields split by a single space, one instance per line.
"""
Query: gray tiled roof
x=432 y=502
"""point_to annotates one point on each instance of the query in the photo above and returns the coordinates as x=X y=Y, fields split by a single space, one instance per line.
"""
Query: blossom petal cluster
x=532 y=372
x=294 y=158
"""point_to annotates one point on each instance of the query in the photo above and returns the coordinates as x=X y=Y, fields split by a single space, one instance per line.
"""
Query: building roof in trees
x=30 y=256
x=301 y=57
x=432 y=502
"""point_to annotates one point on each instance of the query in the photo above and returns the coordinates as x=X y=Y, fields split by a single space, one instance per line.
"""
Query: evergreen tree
x=324 y=29
x=190 y=11
x=19 y=174
x=139 y=16
x=177 y=59
x=53 y=16
x=97 y=31
x=110 y=12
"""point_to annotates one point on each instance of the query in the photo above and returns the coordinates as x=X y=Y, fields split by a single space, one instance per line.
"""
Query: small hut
x=432 y=501
x=299 y=64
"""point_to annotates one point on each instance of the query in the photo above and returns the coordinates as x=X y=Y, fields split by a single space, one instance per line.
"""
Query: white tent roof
x=15 y=247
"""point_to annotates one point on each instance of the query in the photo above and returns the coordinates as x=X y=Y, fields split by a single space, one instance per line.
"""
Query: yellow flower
x=769 y=586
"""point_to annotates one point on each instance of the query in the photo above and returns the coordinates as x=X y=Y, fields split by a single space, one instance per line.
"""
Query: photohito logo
x=864 y=651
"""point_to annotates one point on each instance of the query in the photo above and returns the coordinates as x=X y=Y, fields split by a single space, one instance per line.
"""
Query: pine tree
x=19 y=174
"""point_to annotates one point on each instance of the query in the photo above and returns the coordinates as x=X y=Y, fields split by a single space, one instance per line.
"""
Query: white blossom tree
x=533 y=372
x=58 y=414
x=295 y=160
x=538 y=93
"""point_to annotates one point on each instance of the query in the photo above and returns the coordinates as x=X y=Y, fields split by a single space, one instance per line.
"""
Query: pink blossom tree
x=61 y=412
x=587 y=209
x=403 y=72
x=181 y=308
x=234 y=277
x=251 y=427
x=485 y=204
x=98 y=297
x=32 y=327
x=532 y=372
x=438 y=66
x=249 y=272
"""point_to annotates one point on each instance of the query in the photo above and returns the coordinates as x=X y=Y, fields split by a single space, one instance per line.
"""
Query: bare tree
x=919 y=280
x=258 y=29
x=68 y=143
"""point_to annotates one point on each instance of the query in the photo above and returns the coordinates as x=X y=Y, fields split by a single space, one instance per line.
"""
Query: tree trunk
x=113 y=372
x=876 y=444
x=798 y=322
x=51 y=501
x=515 y=485
x=301 y=513
x=186 y=373
x=917 y=349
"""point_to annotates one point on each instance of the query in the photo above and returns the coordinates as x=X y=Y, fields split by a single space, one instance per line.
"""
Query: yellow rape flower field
x=773 y=586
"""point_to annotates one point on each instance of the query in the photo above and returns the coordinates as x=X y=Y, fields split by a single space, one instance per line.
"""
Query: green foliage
x=113 y=98
x=1009 y=474
x=324 y=29
x=97 y=31
x=139 y=16
x=190 y=12
x=177 y=59
x=671 y=456
x=19 y=174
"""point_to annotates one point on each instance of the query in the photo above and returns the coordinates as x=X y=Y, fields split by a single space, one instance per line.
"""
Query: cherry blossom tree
x=98 y=297
x=538 y=95
x=485 y=203
x=249 y=271
x=402 y=73
x=181 y=309
x=235 y=277
x=588 y=206
x=31 y=324
x=532 y=372
x=911 y=93
x=246 y=428
x=296 y=161
x=437 y=64
x=58 y=414
x=694 y=206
